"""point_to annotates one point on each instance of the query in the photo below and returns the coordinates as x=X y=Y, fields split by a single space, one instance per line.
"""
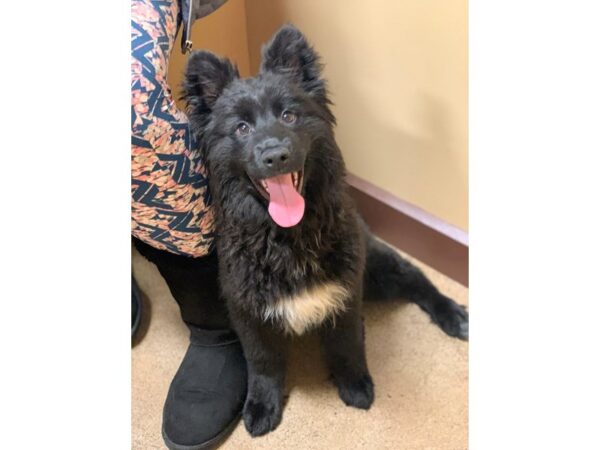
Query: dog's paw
x=358 y=393
x=453 y=319
x=261 y=415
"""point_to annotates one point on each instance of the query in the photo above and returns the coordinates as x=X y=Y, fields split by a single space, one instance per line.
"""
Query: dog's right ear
x=206 y=76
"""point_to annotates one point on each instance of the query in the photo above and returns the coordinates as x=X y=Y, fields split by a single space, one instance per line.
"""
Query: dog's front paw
x=262 y=415
x=358 y=393
x=453 y=319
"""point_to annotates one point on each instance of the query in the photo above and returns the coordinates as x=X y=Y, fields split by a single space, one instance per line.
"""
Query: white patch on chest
x=308 y=308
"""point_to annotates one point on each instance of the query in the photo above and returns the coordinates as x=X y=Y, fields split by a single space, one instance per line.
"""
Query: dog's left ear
x=289 y=53
x=205 y=77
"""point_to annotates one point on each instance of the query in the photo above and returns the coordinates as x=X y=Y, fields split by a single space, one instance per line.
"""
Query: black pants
x=194 y=284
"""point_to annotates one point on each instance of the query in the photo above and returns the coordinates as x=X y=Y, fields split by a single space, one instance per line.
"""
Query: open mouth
x=263 y=187
x=283 y=193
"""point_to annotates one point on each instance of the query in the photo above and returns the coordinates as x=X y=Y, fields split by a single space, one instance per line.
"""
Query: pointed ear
x=289 y=53
x=205 y=77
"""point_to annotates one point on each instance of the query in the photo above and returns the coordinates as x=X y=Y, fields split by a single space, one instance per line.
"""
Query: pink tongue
x=286 y=206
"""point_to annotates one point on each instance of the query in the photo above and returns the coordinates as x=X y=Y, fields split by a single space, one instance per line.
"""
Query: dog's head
x=270 y=136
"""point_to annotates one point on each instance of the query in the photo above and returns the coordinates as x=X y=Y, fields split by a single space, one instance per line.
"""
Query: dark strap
x=192 y=10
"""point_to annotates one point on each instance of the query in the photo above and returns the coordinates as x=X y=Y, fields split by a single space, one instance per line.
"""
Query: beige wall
x=398 y=76
x=397 y=72
x=222 y=32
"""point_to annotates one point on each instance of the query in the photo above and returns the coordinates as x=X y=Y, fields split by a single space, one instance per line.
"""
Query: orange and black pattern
x=170 y=198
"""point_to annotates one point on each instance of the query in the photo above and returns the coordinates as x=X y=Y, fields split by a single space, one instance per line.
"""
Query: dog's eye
x=243 y=129
x=288 y=116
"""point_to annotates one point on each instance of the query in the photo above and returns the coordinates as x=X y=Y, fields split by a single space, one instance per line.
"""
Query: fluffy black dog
x=293 y=253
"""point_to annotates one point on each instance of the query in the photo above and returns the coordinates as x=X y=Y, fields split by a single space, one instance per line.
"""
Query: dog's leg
x=344 y=347
x=265 y=351
x=389 y=276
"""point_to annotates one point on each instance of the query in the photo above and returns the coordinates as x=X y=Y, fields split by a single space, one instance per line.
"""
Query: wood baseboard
x=413 y=230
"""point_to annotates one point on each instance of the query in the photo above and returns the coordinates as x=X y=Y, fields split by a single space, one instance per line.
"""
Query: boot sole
x=211 y=443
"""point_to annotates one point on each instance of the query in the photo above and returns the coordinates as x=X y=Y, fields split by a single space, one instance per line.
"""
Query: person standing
x=172 y=226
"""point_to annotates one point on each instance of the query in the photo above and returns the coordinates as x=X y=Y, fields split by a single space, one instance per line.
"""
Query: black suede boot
x=206 y=396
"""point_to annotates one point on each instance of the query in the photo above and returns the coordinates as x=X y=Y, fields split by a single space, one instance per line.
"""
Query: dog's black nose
x=276 y=158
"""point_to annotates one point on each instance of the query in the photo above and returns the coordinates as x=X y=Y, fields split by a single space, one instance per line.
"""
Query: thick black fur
x=260 y=262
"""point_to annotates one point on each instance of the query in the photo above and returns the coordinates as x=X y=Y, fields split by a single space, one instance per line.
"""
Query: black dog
x=293 y=253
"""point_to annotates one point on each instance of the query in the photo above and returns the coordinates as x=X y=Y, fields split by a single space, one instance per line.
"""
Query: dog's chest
x=308 y=308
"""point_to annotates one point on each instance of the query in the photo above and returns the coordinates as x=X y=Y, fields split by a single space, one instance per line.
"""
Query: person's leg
x=207 y=394
x=194 y=284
